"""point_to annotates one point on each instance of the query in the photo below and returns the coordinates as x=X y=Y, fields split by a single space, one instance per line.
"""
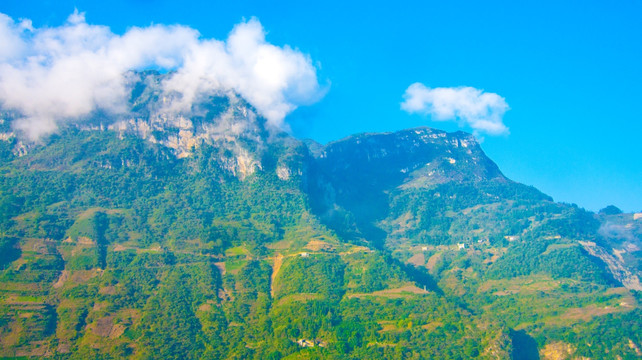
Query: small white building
x=304 y=254
x=461 y=246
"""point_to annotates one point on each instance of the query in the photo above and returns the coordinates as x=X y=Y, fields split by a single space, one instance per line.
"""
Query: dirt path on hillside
x=278 y=261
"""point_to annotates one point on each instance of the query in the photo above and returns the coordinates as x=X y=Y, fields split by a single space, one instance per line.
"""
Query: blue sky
x=569 y=71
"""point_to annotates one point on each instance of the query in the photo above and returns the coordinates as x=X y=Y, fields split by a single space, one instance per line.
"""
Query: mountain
x=204 y=232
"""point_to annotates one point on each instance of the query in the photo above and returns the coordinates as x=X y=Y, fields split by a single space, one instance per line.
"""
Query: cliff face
x=222 y=120
x=419 y=157
x=619 y=247
x=413 y=158
x=356 y=179
x=416 y=158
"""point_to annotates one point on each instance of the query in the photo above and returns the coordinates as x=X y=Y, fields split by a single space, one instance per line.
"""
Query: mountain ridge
x=150 y=236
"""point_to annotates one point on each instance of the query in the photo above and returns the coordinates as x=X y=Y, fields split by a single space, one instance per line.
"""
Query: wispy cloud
x=614 y=231
x=482 y=111
x=53 y=75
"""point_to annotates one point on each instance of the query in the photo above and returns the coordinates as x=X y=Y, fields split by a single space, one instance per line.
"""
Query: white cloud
x=275 y=80
x=614 y=231
x=480 y=110
x=11 y=44
x=53 y=75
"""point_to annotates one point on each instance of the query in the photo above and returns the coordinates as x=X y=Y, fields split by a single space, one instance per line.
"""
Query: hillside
x=208 y=234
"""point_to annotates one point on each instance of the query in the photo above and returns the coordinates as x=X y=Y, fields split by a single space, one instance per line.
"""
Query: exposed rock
x=557 y=351
x=499 y=347
x=616 y=267
x=283 y=173
x=634 y=347
x=223 y=120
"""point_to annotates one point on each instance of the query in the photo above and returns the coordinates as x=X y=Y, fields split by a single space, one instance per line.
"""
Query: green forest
x=112 y=247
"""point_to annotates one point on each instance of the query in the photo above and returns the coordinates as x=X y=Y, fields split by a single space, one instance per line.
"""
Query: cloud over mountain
x=480 y=110
x=58 y=74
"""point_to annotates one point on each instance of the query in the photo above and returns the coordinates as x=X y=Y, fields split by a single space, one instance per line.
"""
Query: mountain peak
x=400 y=156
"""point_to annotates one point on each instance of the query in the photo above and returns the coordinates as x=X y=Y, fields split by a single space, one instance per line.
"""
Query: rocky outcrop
x=420 y=157
x=557 y=351
x=616 y=267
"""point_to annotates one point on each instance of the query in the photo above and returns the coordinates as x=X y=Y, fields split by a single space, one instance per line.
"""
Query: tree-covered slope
x=207 y=234
x=502 y=250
